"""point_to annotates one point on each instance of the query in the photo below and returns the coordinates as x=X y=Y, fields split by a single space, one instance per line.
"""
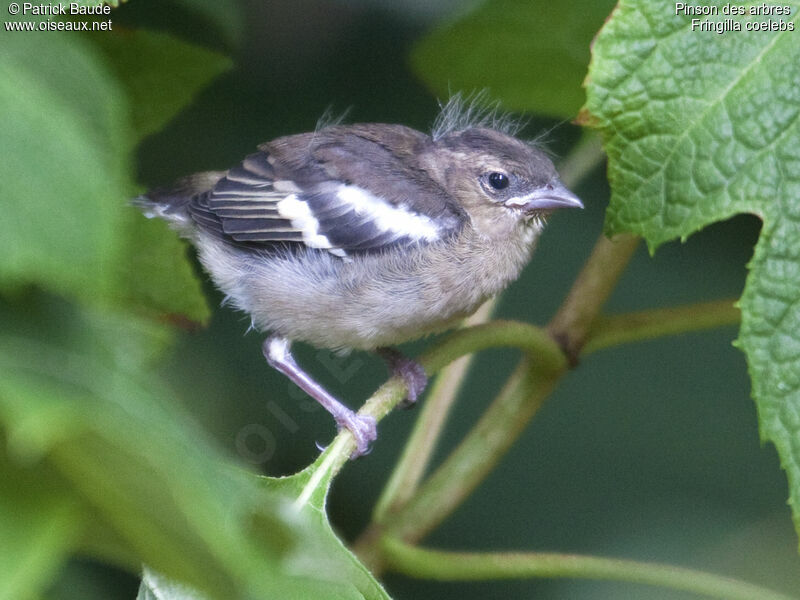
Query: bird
x=364 y=236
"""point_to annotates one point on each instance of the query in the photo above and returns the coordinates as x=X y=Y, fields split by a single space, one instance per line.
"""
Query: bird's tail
x=172 y=203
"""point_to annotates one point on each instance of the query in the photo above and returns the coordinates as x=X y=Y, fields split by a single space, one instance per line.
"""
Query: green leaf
x=62 y=186
x=67 y=225
x=700 y=126
x=38 y=528
x=155 y=274
x=160 y=488
x=80 y=409
x=323 y=554
x=160 y=73
x=530 y=54
x=225 y=15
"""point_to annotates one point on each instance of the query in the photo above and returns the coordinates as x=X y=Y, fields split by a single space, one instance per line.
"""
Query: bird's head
x=499 y=180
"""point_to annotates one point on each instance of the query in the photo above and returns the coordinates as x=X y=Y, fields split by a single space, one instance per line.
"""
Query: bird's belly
x=364 y=303
x=366 y=315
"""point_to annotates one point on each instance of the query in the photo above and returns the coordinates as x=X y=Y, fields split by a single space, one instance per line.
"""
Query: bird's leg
x=363 y=427
x=409 y=370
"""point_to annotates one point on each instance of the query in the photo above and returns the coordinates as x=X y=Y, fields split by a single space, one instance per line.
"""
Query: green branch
x=647 y=324
x=496 y=334
x=420 y=445
x=497 y=429
x=458 y=566
x=478 y=452
x=509 y=414
x=577 y=314
x=511 y=410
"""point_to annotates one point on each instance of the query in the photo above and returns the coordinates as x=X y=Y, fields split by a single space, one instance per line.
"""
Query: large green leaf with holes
x=700 y=126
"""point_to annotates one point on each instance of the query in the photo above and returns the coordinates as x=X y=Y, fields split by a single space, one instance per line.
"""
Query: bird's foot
x=409 y=370
x=363 y=427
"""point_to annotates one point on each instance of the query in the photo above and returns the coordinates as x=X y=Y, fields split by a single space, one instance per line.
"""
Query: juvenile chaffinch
x=365 y=236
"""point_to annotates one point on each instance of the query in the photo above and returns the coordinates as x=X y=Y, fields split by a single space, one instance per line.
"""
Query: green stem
x=478 y=453
x=647 y=324
x=516 y=404
x=428 y=427
x=509 y=413
x=577 y=314
x=458 y=566
x=496 y=334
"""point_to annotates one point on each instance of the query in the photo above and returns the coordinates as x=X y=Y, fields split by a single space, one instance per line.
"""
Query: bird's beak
x=549 y=197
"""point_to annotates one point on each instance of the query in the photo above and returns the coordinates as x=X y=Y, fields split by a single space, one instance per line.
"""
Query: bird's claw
x=415 y=378
x=364 y=429
x=407 y=369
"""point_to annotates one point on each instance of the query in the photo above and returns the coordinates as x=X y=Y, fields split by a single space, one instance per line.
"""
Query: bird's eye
x=498 y=181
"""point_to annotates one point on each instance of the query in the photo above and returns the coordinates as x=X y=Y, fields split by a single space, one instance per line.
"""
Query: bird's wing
x=315 y=197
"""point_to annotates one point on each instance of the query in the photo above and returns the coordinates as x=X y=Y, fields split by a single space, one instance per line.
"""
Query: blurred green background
x=649 y=451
